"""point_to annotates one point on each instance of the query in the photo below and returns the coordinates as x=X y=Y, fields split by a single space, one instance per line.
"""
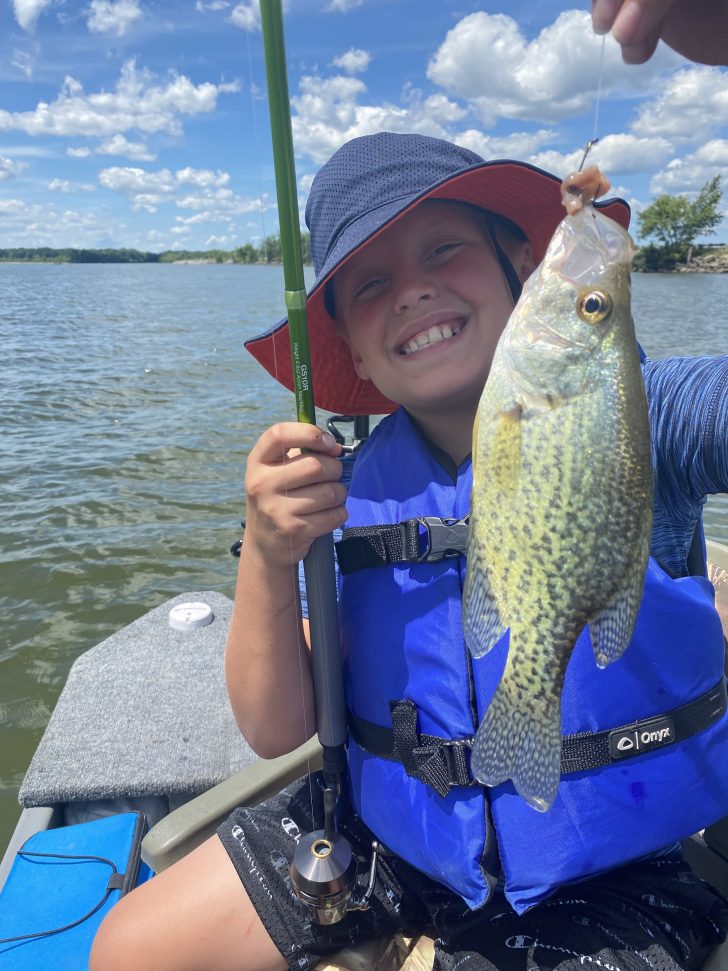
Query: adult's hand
x=697 y=29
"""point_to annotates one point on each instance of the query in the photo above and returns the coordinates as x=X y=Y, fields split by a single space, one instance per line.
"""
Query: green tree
x=676 y=222
x=271 y=249
x=306 y=247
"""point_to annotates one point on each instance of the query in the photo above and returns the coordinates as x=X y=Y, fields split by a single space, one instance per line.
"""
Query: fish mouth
x=435 y=332
x=545 y=334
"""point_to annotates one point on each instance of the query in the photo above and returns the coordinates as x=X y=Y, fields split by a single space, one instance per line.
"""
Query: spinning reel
x=324 y=870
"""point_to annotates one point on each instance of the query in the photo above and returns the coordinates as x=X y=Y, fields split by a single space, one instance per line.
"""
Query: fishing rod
x=323 y=871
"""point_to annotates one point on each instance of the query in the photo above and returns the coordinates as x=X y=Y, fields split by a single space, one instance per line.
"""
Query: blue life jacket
x=403 y=642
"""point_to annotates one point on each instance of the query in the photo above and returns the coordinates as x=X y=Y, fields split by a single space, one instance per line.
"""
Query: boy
x=420 y=249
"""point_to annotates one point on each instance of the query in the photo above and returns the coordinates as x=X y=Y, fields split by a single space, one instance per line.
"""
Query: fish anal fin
x=611 y=631
x=522 y=744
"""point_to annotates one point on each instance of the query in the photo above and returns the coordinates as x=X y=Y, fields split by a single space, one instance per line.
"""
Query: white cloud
x=210 y=193
x=353 y=61
x=692 y=106
x=689 y=174
x=28 y=11
x=619 y=154
x=246 y=16
x=112 y=16
x=220 y=242
x=486 y=60
x=519 y=145
x=343 y=6
x=327 y=114
x=116 y=145
x=119 y=145
x=29 y=151
x=139 y=101
x=65 y=185
x=213 y=5
x=27 y=224
x=10 y=169
x=24 y=63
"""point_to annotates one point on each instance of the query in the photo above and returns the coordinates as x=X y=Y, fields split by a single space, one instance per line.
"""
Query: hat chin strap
x=509 y=271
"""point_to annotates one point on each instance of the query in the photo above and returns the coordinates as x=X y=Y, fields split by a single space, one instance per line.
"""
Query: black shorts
x=653 y=915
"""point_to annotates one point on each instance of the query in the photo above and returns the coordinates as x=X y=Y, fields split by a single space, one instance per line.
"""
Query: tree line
x=675 y=222
x=269 y=251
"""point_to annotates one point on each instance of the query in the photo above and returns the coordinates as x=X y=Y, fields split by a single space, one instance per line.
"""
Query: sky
x=144 y=123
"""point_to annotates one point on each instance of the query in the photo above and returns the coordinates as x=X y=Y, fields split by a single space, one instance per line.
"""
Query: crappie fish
x=561 y=512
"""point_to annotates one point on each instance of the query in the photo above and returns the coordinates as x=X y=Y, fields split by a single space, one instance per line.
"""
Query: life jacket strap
x=426 y=539
x=444 y=763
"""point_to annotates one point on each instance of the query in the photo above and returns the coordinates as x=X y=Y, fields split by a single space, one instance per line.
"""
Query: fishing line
x=600 y=73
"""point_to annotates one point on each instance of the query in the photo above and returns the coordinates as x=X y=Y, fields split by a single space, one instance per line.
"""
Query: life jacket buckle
x=445 y=538
x=456 y=753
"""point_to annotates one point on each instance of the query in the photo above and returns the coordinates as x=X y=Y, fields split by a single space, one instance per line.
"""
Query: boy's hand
x=293 y=491
x=697 y=29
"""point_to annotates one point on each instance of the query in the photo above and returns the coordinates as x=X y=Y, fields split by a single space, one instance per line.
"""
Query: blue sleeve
x=688 y=408
x=347 y=467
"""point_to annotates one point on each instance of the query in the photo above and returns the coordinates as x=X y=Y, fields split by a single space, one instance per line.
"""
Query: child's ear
x=356 y=358
x=523 y=261
x=359 y=366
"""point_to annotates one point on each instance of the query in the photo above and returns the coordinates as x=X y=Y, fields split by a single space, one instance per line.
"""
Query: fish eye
x=594 y=307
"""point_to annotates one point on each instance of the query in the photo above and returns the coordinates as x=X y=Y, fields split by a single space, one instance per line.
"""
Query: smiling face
x=422 y=306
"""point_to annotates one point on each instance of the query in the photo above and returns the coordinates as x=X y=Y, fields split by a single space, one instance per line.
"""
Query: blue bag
x=61 y=885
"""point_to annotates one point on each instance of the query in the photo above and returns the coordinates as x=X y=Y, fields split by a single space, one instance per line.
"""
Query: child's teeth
x=437 y=333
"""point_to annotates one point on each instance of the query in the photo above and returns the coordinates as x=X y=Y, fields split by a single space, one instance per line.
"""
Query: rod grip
x=323 y=613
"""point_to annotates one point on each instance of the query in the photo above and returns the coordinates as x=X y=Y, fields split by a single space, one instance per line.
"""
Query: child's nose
x=412 y=288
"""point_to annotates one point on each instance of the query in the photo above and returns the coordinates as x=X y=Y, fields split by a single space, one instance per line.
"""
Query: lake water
x=128 y=407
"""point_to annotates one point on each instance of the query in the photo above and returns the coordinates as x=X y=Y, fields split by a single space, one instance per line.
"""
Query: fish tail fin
x=524 y=746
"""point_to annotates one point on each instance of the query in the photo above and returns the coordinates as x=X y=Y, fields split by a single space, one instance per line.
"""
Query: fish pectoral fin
x=505 y=450
x=483 y=625
x=521 y=745
x=611 y=631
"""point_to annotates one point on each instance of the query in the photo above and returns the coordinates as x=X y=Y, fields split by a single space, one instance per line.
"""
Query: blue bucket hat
x=363 y=188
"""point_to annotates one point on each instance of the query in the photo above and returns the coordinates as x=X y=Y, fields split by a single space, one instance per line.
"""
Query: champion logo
x=641 y=737
x=520 y=941
x=291 y=828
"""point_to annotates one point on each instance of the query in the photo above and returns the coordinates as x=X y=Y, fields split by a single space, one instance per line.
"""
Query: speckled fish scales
x=561 y=509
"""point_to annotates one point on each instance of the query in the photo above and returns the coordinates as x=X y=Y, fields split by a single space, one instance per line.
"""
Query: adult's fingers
x=604 y=13
x=636 y=25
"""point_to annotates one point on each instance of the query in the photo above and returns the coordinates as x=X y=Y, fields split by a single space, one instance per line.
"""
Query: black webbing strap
x=588 y=750
x=445 y=763
x=426 y=539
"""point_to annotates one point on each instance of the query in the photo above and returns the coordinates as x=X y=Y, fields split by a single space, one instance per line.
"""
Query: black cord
x=66 y=927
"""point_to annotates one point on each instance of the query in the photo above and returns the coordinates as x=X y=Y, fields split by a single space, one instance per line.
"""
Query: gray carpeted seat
x=144 y=713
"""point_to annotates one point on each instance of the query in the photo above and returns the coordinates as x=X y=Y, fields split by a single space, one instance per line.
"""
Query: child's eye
x=443 y=249
x=369 y=287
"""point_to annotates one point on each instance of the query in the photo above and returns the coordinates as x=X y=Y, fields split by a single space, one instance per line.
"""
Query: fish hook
x=589 y=146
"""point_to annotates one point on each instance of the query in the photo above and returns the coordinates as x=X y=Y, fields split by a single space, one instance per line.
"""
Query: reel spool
x=323 y=874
